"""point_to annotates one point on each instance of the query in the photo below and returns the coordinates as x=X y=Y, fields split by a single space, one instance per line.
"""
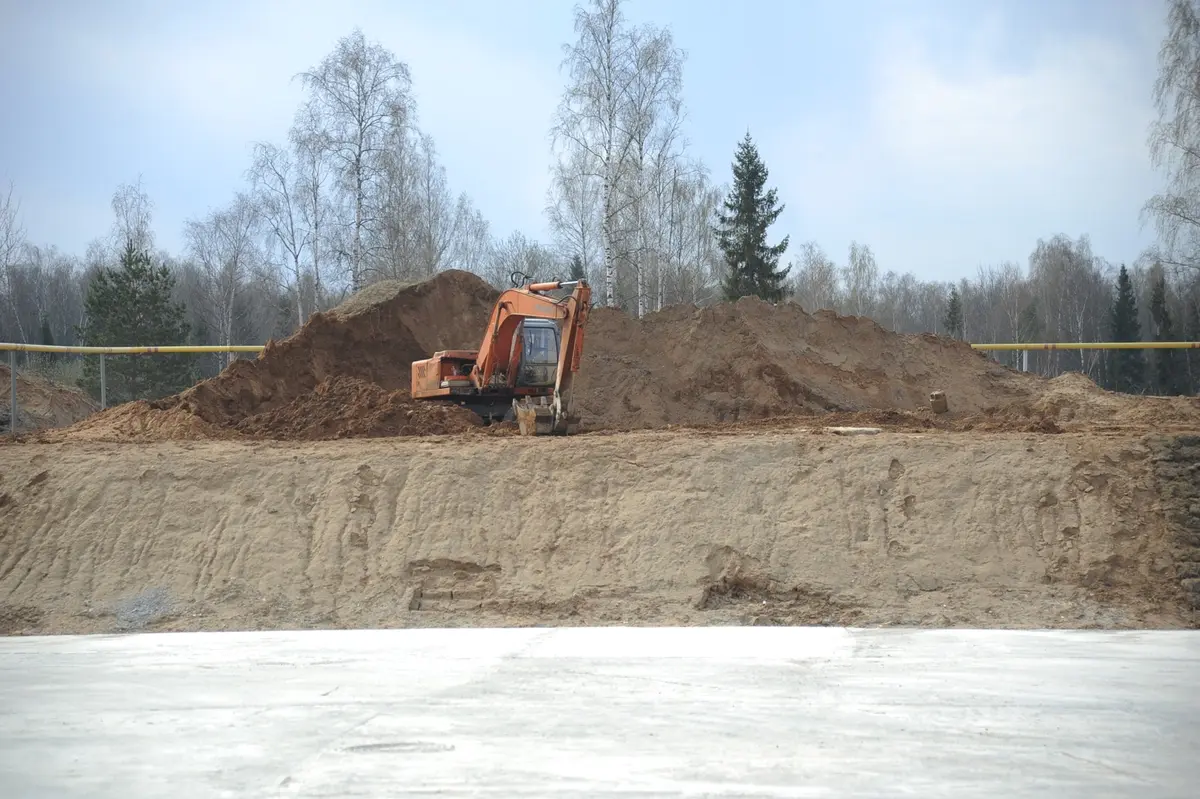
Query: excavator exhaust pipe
x=537 y=418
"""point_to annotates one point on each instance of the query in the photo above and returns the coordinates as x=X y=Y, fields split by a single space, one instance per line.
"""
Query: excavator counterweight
x=525 y=367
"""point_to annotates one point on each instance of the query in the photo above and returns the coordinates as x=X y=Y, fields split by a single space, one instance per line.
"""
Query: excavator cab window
x=539 y=354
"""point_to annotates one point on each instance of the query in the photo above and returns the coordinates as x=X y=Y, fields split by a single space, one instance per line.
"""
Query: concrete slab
x=602 y=712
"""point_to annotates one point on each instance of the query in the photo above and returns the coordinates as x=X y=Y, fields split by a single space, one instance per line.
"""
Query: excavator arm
x=499 y=354
x=535 y=416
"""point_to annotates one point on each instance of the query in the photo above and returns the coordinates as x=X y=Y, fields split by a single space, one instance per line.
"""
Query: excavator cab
x=539 y=353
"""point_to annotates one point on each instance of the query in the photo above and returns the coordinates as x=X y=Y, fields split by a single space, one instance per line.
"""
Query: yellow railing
x=129 y=350
x=1092 y=345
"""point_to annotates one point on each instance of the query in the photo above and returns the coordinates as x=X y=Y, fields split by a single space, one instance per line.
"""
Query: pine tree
x=1167 y=372
x=953 y=320
x=131 y=306
x=741 y=231
x=577 y=270
x=1127 y=368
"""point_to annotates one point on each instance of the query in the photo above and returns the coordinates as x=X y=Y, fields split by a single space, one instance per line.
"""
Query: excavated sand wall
x=1177 y=468
x=642 y=528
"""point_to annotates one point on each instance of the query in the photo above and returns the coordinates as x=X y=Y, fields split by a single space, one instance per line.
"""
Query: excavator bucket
x=533 y=419
x=536 y=418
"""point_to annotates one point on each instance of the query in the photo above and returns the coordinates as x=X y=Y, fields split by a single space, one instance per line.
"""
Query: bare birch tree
x=861 y=274
x=573 y=208
x=12 y=242
x=277 y=194
x=438 y=216
x=520 y=258
x=133 y=210
x=311 y=144
x=223 y=244
x=1175 y=137
x=651 y=119
x=815 y=280
x=590 y=116
x=362 y=92
x=473 y=244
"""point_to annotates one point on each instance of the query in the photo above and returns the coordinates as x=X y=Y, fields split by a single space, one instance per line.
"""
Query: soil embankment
x=733 y=362
x=934 y=529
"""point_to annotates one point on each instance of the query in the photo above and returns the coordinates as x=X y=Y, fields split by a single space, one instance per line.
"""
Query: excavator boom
x=526 y=364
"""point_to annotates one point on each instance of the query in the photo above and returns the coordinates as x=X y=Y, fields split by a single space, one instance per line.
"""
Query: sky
x=944 y=134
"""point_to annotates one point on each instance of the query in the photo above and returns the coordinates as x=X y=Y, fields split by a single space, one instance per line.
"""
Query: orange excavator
x=526 y=365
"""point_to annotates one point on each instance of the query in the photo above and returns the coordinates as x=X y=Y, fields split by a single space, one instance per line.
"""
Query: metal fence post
x=103 y=385
x=12 y=398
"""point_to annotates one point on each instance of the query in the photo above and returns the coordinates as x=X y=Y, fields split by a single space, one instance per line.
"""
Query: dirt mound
x=1073 y=402
x=912 y=528
x=374 y=337
x=139 y=421
x=729 y=363
x=42 y=403
x=346 y=407
x=371 y=338
x=752 y=360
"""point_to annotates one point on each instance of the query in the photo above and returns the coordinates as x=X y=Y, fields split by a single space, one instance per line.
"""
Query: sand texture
x=306 y=488
x=935 y=529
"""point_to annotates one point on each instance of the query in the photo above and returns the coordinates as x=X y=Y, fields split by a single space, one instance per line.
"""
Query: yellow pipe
x=1094 y=345
x=128 y=350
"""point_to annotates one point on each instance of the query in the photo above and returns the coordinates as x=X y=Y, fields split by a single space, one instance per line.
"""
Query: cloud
x=957 y=160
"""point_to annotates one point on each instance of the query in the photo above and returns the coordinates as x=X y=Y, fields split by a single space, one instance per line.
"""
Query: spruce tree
x=131 y=306
x=577 y=270
x=1127 y=367
x=1167 y=372
x=741 y=231
x=953 y=320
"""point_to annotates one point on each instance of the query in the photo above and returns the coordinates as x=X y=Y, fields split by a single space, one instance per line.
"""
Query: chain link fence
x=41 y=385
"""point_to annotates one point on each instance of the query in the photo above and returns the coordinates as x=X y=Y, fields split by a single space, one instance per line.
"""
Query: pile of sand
x=753 y=360
x=372 y=338
x=346 y=407
x=41 y=403
x=729 y=363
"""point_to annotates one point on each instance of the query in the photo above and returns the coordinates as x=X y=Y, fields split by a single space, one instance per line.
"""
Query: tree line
x=355 y=193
